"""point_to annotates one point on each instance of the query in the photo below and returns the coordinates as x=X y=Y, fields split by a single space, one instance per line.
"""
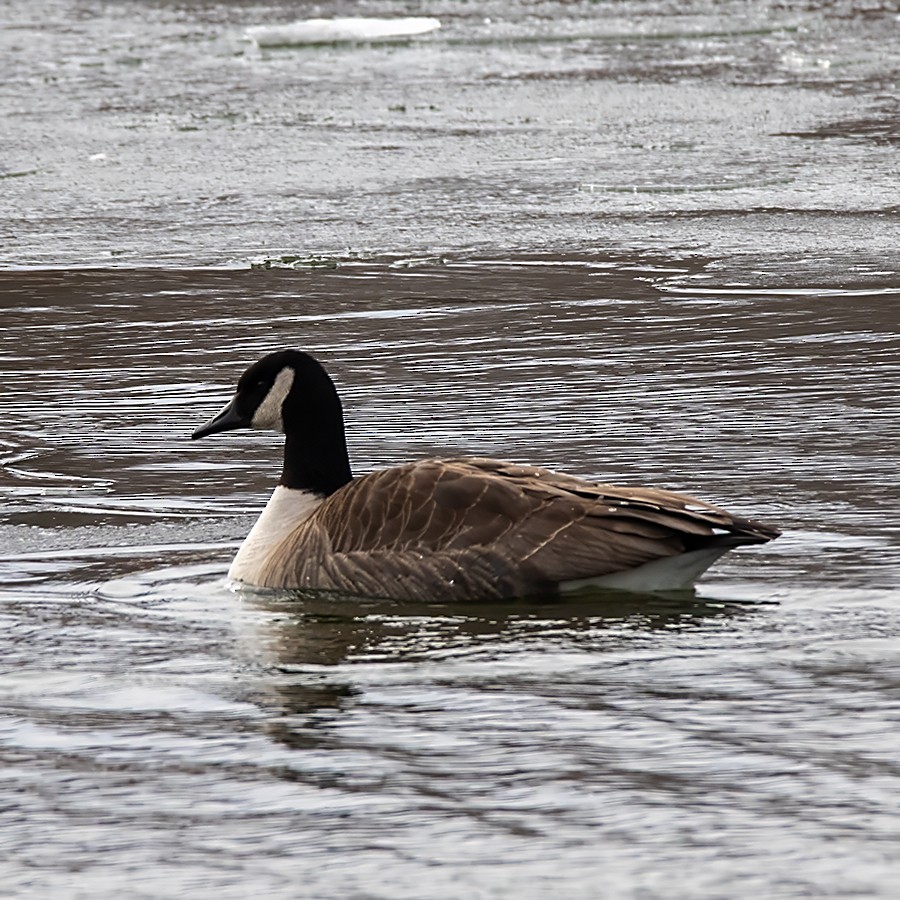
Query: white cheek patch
x=268 y=413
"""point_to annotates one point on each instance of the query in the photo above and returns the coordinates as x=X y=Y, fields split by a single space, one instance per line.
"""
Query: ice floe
x=340 y=30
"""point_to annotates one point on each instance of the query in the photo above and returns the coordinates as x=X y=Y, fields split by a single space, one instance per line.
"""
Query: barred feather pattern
x=481 y=529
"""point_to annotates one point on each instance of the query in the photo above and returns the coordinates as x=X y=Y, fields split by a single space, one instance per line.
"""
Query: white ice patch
x=268 y=413
x=339 y=30
x=286 y=509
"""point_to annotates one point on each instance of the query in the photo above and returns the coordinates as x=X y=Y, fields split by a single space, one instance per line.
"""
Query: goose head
x=289 y=392
x=284 y=392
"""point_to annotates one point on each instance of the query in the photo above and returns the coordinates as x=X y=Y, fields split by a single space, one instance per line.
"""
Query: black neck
x=315 y=451
x=319 y=464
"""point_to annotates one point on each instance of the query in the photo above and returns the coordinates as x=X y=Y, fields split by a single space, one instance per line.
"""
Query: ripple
x=150 y=715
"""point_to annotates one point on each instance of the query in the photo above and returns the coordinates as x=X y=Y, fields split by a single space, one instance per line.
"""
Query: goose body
x=451 y=529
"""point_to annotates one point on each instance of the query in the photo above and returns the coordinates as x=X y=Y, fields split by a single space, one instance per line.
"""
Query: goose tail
x=672 y=573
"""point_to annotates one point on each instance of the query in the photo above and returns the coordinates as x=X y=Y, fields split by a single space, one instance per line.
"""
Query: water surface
x=652 y=243
x=150 y=132
x=156 y=721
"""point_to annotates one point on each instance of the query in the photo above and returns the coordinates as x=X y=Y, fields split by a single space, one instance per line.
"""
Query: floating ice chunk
x=331 y=31
x=794 y=60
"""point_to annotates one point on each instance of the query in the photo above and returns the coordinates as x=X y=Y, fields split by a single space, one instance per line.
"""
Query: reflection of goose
x=310 y=632
x=321 y=654
x=450 y=529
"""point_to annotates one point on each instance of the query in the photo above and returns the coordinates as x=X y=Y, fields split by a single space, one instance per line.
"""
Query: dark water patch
x=881 y=127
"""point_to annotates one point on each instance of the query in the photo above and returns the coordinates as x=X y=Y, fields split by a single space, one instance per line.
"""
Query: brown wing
x=485 y=528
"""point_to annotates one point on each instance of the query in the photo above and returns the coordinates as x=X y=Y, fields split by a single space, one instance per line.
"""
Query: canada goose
x=450 y=529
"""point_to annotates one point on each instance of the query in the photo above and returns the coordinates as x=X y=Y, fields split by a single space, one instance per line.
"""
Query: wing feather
x=485 y=528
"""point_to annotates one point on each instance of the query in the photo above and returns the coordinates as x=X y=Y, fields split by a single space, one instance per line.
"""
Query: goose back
x=477 y=528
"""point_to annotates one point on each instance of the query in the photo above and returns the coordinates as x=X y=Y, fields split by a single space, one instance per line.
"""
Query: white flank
x=286 y=509
x=268 y=413
x=332 y=31
x=673 y=573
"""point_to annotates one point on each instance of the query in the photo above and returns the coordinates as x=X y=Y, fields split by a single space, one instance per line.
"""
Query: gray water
x=644 y=242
